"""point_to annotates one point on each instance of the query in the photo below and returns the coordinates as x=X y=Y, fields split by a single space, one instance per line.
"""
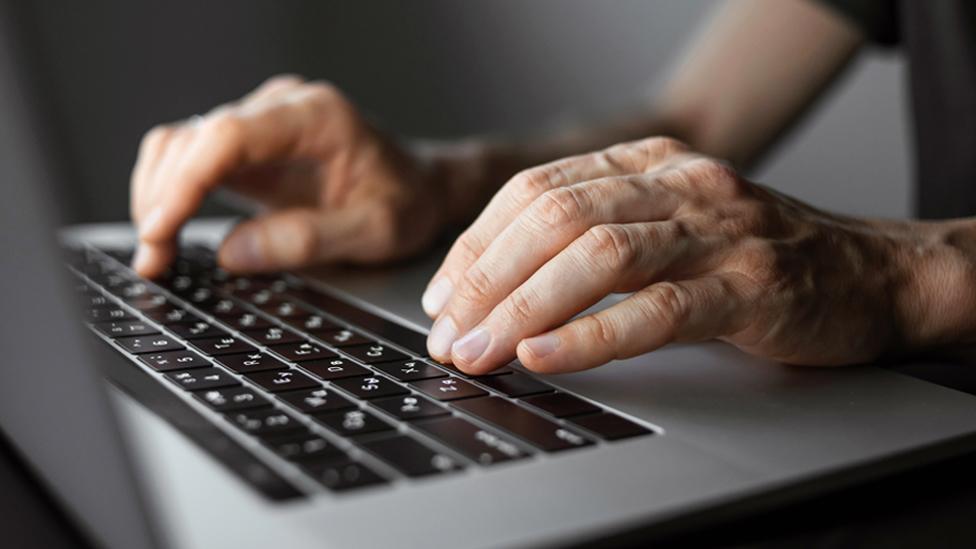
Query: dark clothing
x=939 y=39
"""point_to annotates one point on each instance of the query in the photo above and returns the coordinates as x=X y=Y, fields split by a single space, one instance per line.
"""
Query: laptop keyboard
x=343 y=399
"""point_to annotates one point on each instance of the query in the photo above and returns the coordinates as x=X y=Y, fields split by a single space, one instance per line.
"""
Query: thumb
x=293 y=238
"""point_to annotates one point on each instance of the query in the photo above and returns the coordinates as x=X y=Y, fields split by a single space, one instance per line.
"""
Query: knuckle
x=599 y=331
x=225 y=127
x=303 y=237
x=466 y=249
x=665 y=303
x=529 y=184
x=611 y=245
x=155 y=136
x=520 y=308
x=759 y=260
x=476 y=287
x=663 y=146
x=558 y=207
x=283 y=79
x=715 y=177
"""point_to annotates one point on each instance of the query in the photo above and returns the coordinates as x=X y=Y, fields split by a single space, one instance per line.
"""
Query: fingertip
x=151 y=260
x=436 y=296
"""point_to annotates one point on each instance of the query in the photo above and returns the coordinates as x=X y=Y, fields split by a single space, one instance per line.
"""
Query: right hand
x=332 y=187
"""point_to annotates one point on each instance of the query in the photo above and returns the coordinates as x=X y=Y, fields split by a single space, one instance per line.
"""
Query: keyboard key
x=471 y=441
x=450 y=388
x=343 y=475
x=343 y=338
x=273 y=335
x=265 y=423
x=353 y=422
x=301 y=352
x=454 y=370
x=149 y=344
x=125 y=328
x=562 y=404
x=283 y=309
x=517 y=384
x=277 y=381
x=410 y=457
x=411 y=370
x=374 y=352
x=171 y=314
x=147 y=302
x=317 y=400
x=245 y=321
x=174 y=360
x=410 y=407
x=304 y=447
x=370 y=387
x=227 y=345
x=202 y=378
x=105 y=313
x=536 y=430
x=99 y=300
x=222 y=308
x=203 y=298
x=232 y=399
x=334 y=368
x=246 y=363
x=610 y=426
x=196 y=330
x=311 y=323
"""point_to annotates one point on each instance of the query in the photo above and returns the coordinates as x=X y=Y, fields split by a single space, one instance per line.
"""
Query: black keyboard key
x=562 y=404
x=343 y=338
x=318 y=400
x=304 y=447
x=449 y=388
x=171 y=314
x=265 y=423
x=410 y=457
x=246 y=363
x=125 y=328
x=334 y=368
x=311 y=323
x=224 y=307
x=277 y=381
x=353 y=422
x=232 y=399
x=516 y=385
x=374 y=352
x=204 y=298
x=106 y=313
x=273 y=335
x=540 y=432
x=148 y=302
x=410 y=407
x=283 y=309
x=343 y=475
x=99 y=301
x=174 y=360
x=454 y=370
x=407 y=338
x=411 y=370
x=245 y=321
x=149 y=344
x=226 y=345
x=301 y=352
x=196 y=330
x=202 y=378
x=473 y=442
x=610 y=426
x=370 y=387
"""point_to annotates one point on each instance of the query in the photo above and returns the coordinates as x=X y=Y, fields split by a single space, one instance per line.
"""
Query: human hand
x=332 y=187
x=707 y=254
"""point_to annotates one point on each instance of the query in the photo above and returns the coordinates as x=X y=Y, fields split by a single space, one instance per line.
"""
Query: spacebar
x=540 y=432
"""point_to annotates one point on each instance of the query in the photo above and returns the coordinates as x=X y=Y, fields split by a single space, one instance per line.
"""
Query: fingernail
x=441 y=337
x=139 y=260
x=470 y=347
x=150 y=223
x=541 y=346
x=436 y=296
x=241 y=251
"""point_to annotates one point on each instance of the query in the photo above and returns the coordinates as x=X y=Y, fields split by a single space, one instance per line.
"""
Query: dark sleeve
x=878 y=19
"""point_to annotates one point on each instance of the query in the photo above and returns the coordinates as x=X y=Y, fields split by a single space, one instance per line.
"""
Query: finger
x=604 y=258
x=521 y=190
x=539 y=233
x=273 y=86
x=297 y=237
x=314 y=122
x=666 y=312
x=150 y=153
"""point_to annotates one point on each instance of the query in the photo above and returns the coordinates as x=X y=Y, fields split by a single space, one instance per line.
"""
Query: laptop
x=297 y=410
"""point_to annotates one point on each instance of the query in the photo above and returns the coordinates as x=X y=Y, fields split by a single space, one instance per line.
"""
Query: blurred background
x=436 y=68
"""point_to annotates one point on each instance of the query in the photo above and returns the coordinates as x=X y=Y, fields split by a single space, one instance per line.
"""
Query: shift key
x=536 y=430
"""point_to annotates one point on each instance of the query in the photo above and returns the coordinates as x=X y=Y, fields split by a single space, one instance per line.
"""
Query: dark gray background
x=433 y=68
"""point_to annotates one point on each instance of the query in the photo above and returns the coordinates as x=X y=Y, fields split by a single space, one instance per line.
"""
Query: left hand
x=707 y=254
